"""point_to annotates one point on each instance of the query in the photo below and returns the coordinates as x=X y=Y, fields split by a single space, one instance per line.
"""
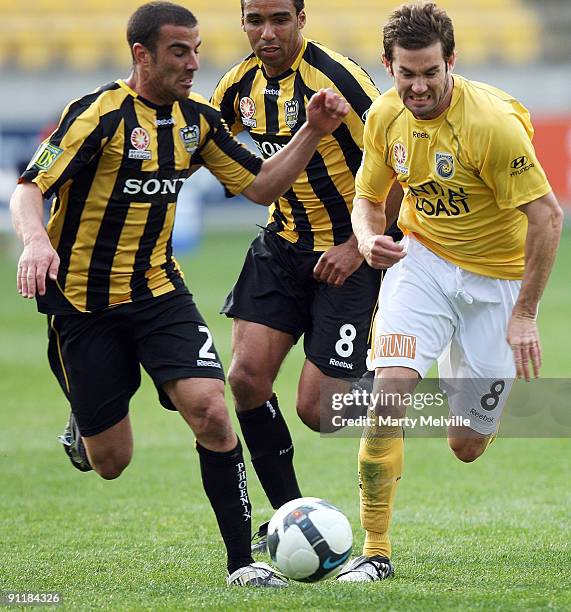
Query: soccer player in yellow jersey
x=481 y=230
x=114 y=294
x=303 y=274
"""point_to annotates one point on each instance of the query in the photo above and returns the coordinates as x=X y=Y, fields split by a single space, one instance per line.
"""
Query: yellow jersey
x=464 y=174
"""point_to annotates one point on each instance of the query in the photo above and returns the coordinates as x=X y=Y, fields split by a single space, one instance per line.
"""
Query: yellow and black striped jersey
x=116 y=164
x=315 y=213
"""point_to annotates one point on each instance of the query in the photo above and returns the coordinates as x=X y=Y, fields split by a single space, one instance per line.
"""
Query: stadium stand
x=35 y=34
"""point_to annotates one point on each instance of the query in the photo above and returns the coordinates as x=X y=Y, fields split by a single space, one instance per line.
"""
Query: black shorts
x=96 y=357
x=276 y=288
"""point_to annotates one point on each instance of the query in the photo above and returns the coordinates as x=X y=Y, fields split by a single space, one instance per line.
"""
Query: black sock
x=269 y=442
x=224 y=480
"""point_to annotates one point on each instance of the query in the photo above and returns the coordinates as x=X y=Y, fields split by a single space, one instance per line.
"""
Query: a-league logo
x=190 y=135
x=445 y=165
x=400 y=157
x=140 y=139
x=247 y=107
x=399 y=153
x=247 y=111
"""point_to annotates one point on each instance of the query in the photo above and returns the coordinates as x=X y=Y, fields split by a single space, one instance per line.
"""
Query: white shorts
x=431 y=310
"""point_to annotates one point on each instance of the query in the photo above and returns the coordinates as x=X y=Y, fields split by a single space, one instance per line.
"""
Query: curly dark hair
x=416 y=26
x=145 y=23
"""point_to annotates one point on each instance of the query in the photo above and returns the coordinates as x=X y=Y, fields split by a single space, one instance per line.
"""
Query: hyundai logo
x=519 y=162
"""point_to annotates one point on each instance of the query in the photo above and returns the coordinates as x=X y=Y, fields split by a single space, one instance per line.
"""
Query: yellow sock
x=380 y=469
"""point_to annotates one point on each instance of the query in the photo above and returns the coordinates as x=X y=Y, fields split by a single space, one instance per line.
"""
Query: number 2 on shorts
x=204 y=352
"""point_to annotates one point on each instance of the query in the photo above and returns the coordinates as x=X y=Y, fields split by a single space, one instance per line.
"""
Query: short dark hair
x=298 y=4
x=416 y=26
x=145 y=23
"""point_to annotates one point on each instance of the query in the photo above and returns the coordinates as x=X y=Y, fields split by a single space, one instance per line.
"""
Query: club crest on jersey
x=400 y=157
x=291 y=109
x=190 y=135
x=444 y=164
x=45 y=157
x=248 y=110
x=140 y=140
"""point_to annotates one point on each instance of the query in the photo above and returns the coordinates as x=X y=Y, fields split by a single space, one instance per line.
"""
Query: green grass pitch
x=493 y=535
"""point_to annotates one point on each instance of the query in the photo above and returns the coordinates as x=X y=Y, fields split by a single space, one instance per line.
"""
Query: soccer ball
x=309 y=539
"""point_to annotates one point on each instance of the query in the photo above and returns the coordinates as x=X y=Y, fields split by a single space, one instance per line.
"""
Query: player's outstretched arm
x=38 y=257
x=325 y=110
x=545 y=221
x=369 y=223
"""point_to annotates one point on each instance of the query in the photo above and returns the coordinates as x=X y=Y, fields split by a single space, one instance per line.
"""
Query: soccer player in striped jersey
x=104 y=270
x=482 y=227
x=303 y=274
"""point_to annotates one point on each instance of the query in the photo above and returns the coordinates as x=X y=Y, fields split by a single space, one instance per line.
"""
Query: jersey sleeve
x=509 y=164
x=360 y=98
x=230 y=162
x=76 y=140
x=374 y=177
x=224 y=98
x=326 y=68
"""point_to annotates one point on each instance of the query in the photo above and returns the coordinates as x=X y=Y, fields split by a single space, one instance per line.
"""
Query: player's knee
x=111 y=466
x=467 y=449
x=240 y=377
x=247 y=382
x=308 y=412
x=467 y=455
x=211 y=420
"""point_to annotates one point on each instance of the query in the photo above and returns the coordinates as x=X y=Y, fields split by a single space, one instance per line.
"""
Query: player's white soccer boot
x=365 y=569
x=256 y=575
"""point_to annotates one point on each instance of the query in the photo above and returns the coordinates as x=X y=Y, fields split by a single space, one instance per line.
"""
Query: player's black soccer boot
x=365 y=569
x=260 y=539
x=74 y=447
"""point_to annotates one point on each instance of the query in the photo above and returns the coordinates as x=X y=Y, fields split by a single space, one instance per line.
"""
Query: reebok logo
x=395 y=345
x=340 y=364
x=169 y=121
x=482 y=417
x=207 y=364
